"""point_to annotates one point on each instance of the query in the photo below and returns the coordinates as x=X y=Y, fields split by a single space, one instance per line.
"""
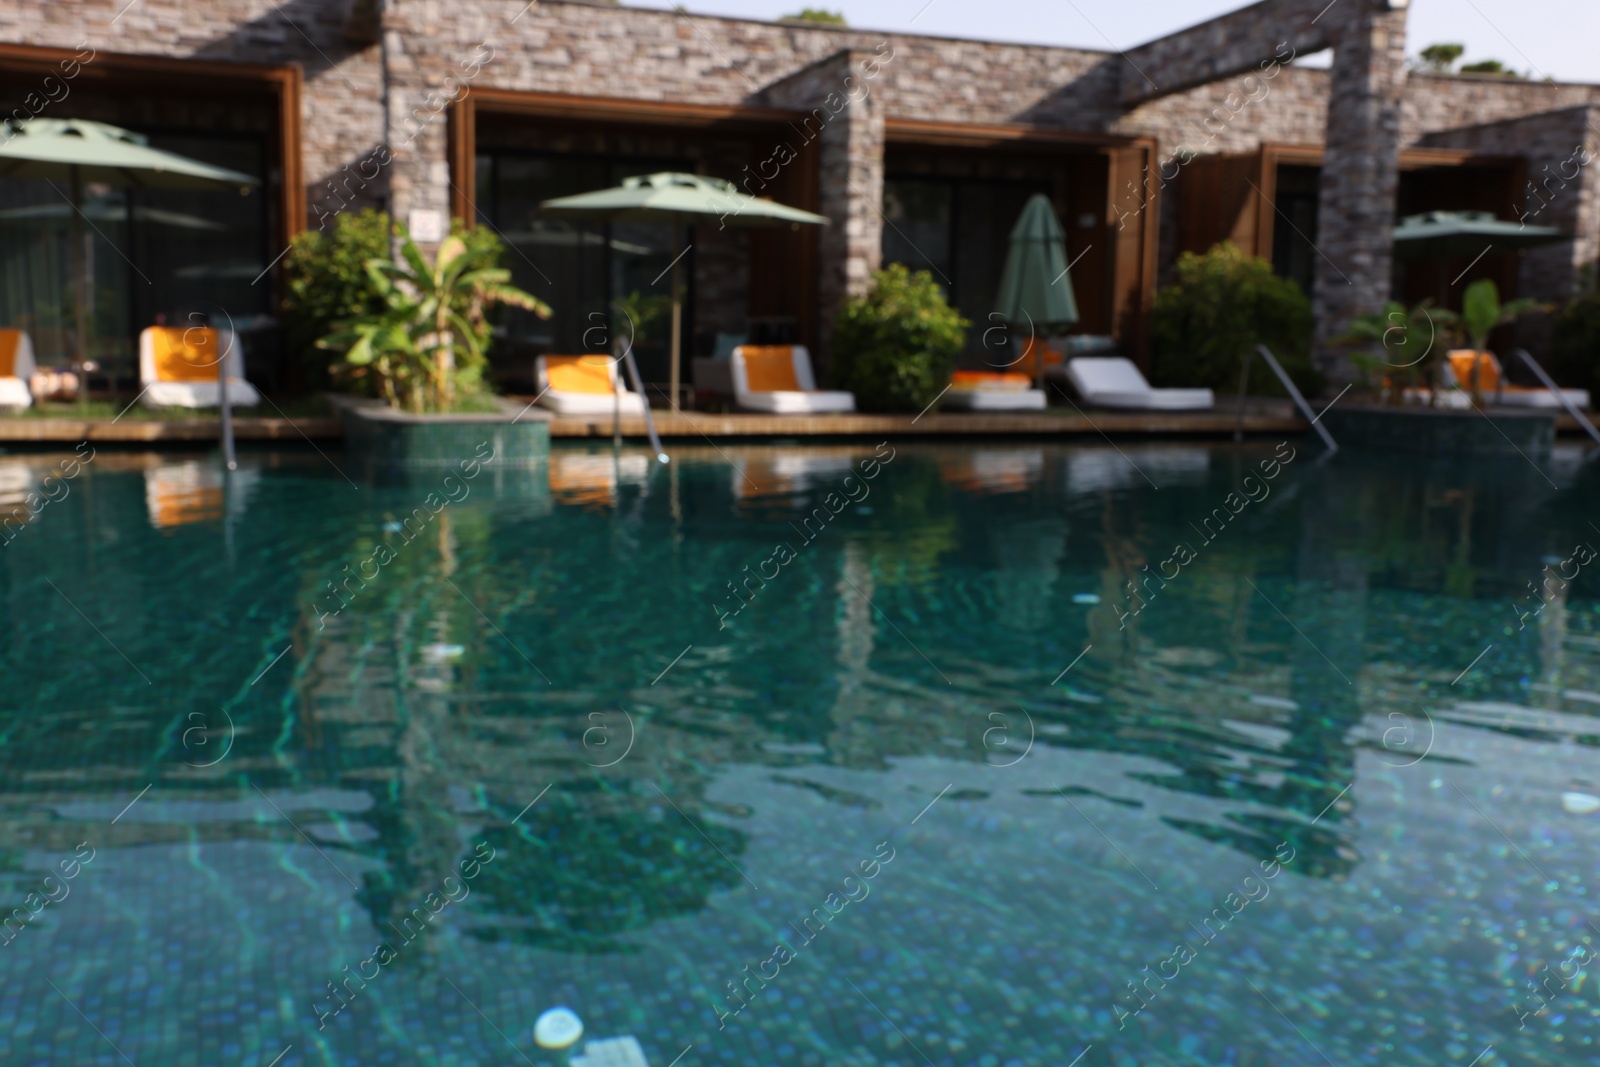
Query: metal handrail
x=1288 y=383
x=1560 y=395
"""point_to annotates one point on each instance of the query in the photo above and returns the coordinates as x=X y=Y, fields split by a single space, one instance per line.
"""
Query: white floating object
x=444 y=652
x=557 y=1028
x=1273 y=702
x=622 y=1051
x=1085 y=598
x=1580 y=803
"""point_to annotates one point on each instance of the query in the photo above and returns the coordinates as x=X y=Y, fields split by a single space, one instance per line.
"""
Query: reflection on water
x=951 y=666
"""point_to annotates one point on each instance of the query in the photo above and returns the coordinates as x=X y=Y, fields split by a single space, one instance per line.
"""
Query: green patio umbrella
x=1034 y=287
x=1452 y=234
x=677 y=200
x=1445 y=235
x=77 y=151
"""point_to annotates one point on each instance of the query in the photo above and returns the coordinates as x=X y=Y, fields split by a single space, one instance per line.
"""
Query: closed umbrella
x=1034 y=287
x=677 y=200
x=78 y=151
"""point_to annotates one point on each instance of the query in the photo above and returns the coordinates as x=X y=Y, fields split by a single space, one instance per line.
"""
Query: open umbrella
x=1466 y=233
x=677 y=200
x=1445 y=235
x=78 y=151
x=1034 y=287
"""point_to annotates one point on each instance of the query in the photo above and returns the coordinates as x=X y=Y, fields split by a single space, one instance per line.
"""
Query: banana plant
x=1411 y=341
x=1481 y=313
x=432 y=336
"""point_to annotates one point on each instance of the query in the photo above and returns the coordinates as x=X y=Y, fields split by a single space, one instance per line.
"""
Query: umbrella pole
x=677 y=312
x=80 y=284
x=229 y=462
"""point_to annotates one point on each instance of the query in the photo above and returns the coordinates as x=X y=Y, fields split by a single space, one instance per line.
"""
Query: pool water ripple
x=1083 y=800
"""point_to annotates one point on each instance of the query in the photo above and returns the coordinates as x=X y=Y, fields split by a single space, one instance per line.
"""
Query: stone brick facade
x=377 y=78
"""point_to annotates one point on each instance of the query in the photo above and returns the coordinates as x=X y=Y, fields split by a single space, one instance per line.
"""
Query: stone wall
x=1442 y=102
x=1562 y=191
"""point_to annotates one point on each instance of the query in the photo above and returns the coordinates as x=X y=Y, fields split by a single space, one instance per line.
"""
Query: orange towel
x=10 y=341
x=770 y=368
x=1461 y=365
x=989 y=382
x=590 y=374
x=186 y=354
x=1029 y=363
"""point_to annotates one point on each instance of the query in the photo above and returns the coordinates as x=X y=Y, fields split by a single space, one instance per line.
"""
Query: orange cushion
x=769 y=368
x=989 y=381
x=590 y=374
x=1461 y=360
x=10 y=340
x=186 y=353
x=1028 y=363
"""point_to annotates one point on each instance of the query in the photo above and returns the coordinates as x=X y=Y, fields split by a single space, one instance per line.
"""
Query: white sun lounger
x=1114 y=382
x=178 y=368
x=778 y=379
x=16 y=367
x=584 y=385
x=993 y=392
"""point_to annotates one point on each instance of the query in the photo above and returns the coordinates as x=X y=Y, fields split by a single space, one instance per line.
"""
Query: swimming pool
x=850 y=754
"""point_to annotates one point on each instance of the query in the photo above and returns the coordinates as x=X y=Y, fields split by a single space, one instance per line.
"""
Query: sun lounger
x=178 y=368
x=976 y=390
x=1114 y=382
x=16 y=367
x=778 y=379
x=1493 y=387
x=584 y=385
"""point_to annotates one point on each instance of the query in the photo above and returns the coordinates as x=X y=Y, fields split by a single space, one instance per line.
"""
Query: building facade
x=916 y=148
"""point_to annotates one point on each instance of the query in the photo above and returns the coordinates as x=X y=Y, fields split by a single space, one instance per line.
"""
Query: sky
x=1547 y=38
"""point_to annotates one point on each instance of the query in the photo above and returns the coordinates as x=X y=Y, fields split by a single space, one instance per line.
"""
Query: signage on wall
x=426 y=225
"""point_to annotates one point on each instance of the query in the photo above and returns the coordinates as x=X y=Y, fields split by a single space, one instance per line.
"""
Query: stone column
x=1360 y=172
x=845 y=119
x=420 y=84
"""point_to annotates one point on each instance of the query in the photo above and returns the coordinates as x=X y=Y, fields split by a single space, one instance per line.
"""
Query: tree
x=1439 y=58
x=1489 y=66
x=818 y=16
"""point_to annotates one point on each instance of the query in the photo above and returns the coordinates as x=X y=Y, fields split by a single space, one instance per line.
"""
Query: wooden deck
x=138 y=430
x=934 y=424
x=1261 y=417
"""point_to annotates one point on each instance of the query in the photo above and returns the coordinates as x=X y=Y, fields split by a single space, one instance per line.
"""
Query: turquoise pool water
x=912 y=779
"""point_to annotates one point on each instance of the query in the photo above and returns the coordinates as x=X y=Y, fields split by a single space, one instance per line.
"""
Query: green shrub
x=325 y=282
x=895 y=348
x=1575 y=345
x=1222 y=305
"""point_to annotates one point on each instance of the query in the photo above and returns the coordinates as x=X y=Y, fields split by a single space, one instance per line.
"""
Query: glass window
x=959 y=230
x=604 y=283
x=153 y=256
x=917 y=230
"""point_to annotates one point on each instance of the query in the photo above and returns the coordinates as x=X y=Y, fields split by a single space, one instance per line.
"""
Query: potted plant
x=423 y=354
x=1410 y=342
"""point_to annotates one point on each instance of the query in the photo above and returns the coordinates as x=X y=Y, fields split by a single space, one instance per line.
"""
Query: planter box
x=1429 y=432
x=380 y=438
